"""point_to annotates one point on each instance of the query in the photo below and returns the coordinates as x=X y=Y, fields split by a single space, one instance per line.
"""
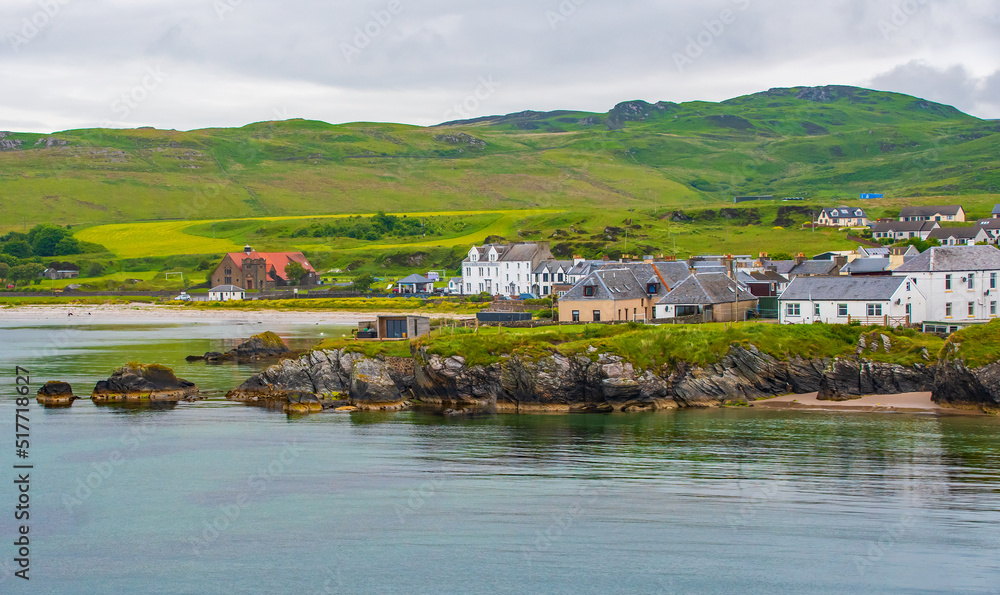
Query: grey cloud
x=953 y=85
x=410 y=66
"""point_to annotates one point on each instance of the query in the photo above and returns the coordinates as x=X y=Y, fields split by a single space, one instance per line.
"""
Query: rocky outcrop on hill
x=262 y=346
x=143 y=382
x=852 y=378
x=55 y=394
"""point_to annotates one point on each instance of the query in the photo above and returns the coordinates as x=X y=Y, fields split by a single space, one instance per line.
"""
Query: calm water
x=214 y=497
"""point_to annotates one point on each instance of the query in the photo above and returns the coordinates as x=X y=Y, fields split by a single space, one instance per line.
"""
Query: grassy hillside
x=814 y=142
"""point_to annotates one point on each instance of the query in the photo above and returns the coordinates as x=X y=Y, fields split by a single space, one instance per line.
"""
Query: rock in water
x=143 y=382
x=264 y=345
x=56 y=394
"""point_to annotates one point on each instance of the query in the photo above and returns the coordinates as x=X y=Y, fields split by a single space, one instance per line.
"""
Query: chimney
x=605 y=258
x=577 y=259
x=799 y=258
x=840 y=261
x=648 y=259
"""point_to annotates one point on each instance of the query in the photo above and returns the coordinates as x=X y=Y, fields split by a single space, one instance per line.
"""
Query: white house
x=503 y=269
x=549 y=273
x=903 y=230
x=455 y=286
x=962 y=283
x=891 y=301
x=225 y=293
x=960 y=236
x=843 y=216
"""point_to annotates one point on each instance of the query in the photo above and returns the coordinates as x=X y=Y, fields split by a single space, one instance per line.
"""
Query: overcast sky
x=201 y=63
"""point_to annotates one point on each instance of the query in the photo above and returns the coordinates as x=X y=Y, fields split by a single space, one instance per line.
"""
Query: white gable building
x=962 y=284
x=503 y=269
x=890 y=301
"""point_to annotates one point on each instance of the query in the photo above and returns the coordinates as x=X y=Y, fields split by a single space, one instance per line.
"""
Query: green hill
x=822 y=143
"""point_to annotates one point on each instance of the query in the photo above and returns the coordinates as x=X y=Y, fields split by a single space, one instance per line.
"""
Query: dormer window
x=588 y=290
x=651 y=288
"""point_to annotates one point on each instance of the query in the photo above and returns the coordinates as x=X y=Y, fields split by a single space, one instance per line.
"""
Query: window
x=480 y=271
x=229 y=271
x=576 y=316
x=909 y=309
x=560 y=277
x=651 y=288
x=588 y=290
x=816 y=310
x=971 y=279
x=874 y=309
x=947 y=282
x=993 y=280
x=468 y=287
x=229 y=281
x=972 y=309
x=468 y=271
x=793 y=309
x=907 y=285
x=842 y=310
x=993 y=308
x=545 y=277
x=545 y=290
x=947 y=310
x=597 y=315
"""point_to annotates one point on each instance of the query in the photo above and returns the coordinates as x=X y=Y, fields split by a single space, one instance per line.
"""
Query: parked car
x=183 y=297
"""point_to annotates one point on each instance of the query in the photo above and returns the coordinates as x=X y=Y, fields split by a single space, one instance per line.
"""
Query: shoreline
x=141 y=312
x=918 y=402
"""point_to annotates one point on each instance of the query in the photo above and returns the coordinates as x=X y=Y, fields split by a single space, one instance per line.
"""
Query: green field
x=640 y=179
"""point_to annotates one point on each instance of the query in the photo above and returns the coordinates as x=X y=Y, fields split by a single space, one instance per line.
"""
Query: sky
x=187 y=64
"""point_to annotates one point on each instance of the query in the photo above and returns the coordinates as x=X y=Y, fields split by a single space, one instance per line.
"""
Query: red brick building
x=254 y=270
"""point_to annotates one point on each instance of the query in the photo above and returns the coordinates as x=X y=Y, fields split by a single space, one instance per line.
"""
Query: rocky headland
x=604 y=382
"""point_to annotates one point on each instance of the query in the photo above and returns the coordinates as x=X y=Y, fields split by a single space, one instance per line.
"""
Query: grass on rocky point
x=654 y=346
x=977 y=345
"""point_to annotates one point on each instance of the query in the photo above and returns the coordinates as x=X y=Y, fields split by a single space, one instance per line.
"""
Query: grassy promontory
x=654 y=346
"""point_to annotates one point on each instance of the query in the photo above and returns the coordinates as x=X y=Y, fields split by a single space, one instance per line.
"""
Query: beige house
x=933 y=213
x=609 y=295
x=843 y=216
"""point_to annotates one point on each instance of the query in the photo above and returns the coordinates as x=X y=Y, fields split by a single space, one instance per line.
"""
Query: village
x=886 y=281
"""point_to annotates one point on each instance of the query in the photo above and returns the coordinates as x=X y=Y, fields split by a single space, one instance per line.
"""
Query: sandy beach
x=905 y=402
x=143 y=313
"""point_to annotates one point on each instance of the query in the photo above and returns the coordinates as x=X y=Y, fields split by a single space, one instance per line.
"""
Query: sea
x=215 y=497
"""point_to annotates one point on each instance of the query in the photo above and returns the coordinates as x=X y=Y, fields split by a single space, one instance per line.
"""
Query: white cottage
x=225 y=293
x=890 y=301
x=962 y=283
x=503 y=269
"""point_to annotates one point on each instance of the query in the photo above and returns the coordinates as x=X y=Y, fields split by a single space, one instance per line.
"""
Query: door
x=395 y=329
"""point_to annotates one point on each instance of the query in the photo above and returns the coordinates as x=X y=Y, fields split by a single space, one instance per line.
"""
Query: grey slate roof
x=843 y=212
x=704 y=289
x=765 y=277
x=961 y=233
x=996 y=210
x=225 y=289
x=414 y=278
x=897 y=226
x=609 y=284
x=929 y=211
x=865 y=265
x=847 y=289
x=989 y=224
x=813 y=267
x=953 y=259
x=553 y=266
x=878 y=252
x=673 y=272
x=782 y=267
